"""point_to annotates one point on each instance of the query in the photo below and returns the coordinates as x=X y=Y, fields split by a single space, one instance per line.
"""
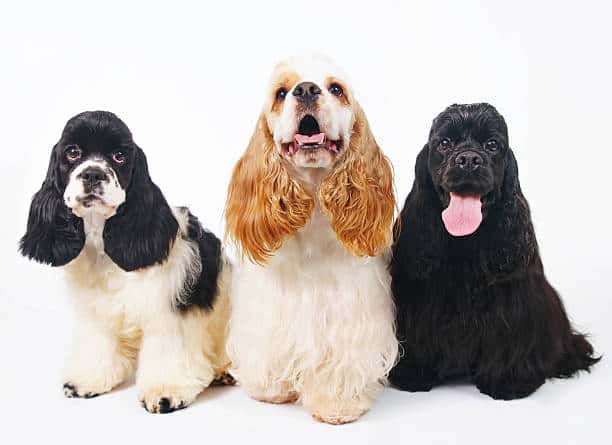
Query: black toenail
x=164 y=406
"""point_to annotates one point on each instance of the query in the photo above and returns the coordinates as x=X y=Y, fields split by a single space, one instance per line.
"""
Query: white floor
x=33 y=340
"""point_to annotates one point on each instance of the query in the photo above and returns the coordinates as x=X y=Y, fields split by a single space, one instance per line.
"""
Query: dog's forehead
x=315 y=68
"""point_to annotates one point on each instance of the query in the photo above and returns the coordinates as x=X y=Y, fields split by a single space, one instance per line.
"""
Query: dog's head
x=470 y=163
x=312 y=144
x=95 y=156
x=310 y=111
x=97 y=169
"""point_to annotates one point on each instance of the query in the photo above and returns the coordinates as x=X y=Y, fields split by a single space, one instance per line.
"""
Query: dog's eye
x=281 y=93
x=119 y=157
x=73 y=153
x=491 y=145
x=336 y=89
x=444 y=144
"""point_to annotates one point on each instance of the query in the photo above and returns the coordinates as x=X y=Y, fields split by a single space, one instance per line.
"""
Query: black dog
x=472 y=299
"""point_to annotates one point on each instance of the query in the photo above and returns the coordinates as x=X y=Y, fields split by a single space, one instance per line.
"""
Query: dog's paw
x=510 y=390
x=72 y=391
x=341 y=417
x=225 y=379
x=277 y=393
x=163 y=399
x=413 y=385
x=90 y=384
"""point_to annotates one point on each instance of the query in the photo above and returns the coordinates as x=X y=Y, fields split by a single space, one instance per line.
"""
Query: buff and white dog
x=310 y=208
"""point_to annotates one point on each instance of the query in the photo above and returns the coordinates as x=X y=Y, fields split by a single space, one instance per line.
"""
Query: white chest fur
x=314 y=315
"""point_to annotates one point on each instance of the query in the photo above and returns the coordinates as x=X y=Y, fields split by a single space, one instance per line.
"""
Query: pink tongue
x=302 y=139
x=463 y=215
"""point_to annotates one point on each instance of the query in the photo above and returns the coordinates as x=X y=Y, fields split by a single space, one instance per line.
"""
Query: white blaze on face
x=335 y=118
x=104 y=198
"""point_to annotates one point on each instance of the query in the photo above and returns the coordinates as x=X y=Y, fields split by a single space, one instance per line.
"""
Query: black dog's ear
x=142 y=231
x=421 y=169
x=420 y=245
x=54 y=235
x=510 y=230
x=510 y=186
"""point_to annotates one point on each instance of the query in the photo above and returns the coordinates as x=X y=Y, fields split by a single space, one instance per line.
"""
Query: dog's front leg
x=99 y=360
x=173 y=368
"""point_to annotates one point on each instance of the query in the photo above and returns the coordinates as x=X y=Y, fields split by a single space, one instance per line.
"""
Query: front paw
x=413 y=385
x=510 y=389
x=72 y=391
x=88 y=384
x=341 y=416
x=413 y=380
x=163 y=399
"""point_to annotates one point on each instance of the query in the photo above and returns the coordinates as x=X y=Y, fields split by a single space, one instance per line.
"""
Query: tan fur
x=264 y=205
x=358 y=195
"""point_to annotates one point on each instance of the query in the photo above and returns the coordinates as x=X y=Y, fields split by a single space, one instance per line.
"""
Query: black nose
x=307 y=92
x=93 y=176
x=469 y=160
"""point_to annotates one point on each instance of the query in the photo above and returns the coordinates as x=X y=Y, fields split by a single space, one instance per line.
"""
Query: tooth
x=291 y=149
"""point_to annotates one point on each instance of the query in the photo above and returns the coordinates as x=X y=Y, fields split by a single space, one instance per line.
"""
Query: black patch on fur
x=141 y=233
x=54 y=235
x=479 y=307
x=202 y=293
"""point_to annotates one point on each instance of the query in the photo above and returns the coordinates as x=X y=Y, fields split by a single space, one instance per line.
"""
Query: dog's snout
x=469 y=160
x=307 y=92
x=93 y=176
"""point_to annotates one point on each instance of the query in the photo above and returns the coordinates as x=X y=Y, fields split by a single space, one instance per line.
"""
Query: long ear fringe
x=54 y=235
x=358 y=196
x=264 y=204
x=142 y=232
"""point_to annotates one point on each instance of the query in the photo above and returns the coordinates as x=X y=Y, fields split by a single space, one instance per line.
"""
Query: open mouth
x=309 y=137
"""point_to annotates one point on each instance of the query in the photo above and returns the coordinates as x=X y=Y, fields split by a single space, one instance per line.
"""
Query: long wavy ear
x=511 y=184
x=358 y=195
x=54 y=235
x=264 y=204
x=142 y=231
x=511 y=228
x=420 y=246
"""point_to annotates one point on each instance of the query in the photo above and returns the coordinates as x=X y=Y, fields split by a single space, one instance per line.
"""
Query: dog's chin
x=92 y=205
x=313 y=158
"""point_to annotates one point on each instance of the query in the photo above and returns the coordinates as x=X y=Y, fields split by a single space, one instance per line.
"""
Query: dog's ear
x=421 y=169
x=419 y=247
x=142 y=231
x=358 y=195
x=54 y=235
x=265 y=205
x=510 y=186
x=510 y=232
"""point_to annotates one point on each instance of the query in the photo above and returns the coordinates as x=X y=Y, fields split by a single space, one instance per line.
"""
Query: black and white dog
x=148 y=282
x=472 y=299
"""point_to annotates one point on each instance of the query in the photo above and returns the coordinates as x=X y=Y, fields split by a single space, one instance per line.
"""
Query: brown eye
x=73 y=153
x=119 y=157
x=336 y=89
x=444 y=144
x=281 y=93
x=491 y=145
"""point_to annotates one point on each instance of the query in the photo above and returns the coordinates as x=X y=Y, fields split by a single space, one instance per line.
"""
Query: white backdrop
x=189 y=80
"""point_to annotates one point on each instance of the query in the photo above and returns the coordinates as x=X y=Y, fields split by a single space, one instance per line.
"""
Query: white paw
x=164 y=399
x=81 y=380
x=338 y=418
x=274 y=393
x=90 y=386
